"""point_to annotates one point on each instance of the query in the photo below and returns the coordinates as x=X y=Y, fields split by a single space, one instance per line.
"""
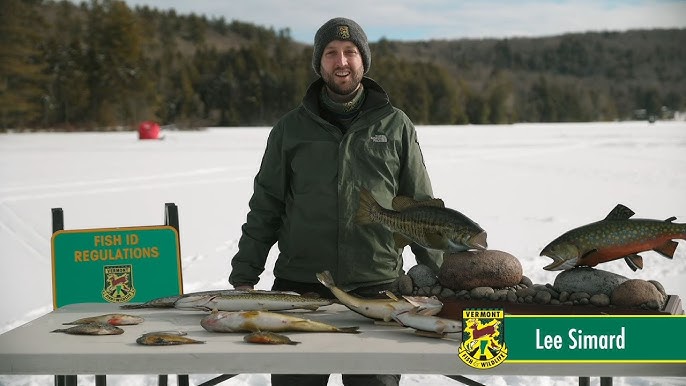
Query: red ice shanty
x=149 y=130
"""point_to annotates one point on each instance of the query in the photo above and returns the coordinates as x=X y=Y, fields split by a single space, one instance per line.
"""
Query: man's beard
x=348 y=88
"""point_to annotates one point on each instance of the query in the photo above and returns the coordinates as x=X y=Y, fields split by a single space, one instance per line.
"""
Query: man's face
x=341 y=67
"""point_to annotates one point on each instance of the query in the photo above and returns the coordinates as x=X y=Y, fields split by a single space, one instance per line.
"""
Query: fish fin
x=401 y=203
x=326 y=279
x=620 y=212
x=367 y=206
x=634 y=262
x=401 y=241
x=667 y=249
x=671 y=219
x=391 y=295
x=436 y=240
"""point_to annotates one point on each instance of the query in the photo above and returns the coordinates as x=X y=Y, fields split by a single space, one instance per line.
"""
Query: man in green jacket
x=344 y=136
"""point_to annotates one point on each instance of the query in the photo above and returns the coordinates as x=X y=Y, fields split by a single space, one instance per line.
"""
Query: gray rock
x=481 y=292
x=578 y=296
x=526 y=281
x=660 y=288
x=435 y=290
x=422 y=276
x=542 y=297
x=600 y=300
x=405 y=285
x=589 y=280
x=511 y=296
x=471 y=269
x=447 y=293
x=634 y=293
x=524 y=292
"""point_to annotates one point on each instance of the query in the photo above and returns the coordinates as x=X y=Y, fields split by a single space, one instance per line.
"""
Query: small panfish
x=380 y=309
x=429 y=323
x=91 y=329
x=253 y=321
x=252 y=301
x=615 y=237
x=268 y=337
x=428 y=223
x=165 y=338
x=113 y=319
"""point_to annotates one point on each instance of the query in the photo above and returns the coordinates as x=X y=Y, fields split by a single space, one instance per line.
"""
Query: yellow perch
x=165 y=338
x=91 y=329
x=113 y=319
x=268 y=337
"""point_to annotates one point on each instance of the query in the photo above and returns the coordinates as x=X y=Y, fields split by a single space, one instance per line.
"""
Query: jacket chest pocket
x=314 y=165
x=378 y=158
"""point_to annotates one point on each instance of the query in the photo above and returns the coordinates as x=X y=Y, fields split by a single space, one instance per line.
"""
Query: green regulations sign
x=116 y=265
x=596 y=339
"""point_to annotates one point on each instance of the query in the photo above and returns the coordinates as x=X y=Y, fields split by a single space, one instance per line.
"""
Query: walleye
x=253 y=321
x=113 y=319
x=428 y=223
x=91 y=329
x=428 y=323
x=615 y=237
x=252 y=301
x=165 y=338
x=268 y=337
x=168 y=301
x=380 y=309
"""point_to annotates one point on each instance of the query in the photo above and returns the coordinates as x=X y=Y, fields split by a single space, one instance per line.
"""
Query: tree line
x=103 y=65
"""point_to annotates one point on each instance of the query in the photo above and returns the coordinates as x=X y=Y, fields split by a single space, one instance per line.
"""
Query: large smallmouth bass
x=380 y=309
x=615 y=237
x=428 y=223
x=253 y=321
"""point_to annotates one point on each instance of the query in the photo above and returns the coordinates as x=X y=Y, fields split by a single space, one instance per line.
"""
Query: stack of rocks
x=497 y=276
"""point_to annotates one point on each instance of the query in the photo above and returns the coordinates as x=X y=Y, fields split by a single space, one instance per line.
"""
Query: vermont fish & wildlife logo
x=483 y=338
x=118 y=287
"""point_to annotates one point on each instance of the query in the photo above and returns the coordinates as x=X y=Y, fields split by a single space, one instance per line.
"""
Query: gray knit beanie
x=340 y=28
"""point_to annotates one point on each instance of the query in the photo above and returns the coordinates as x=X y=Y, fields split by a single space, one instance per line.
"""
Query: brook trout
x=253 y=321
x=168 y=301
x=615 y=237
x=267 y=337
x=428 y=223
x=427 y=323
x=165 y=338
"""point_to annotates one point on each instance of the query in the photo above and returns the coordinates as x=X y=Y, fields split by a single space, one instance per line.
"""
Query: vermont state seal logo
x=483 y=338
x=118 y=286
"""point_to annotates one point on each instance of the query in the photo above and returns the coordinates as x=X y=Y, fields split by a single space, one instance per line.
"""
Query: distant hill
x=103 y=65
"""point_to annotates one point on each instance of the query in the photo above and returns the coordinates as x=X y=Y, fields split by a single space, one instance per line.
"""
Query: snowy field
x=525 y=184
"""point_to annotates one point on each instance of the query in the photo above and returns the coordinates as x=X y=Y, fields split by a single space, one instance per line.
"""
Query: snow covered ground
x=525 y=184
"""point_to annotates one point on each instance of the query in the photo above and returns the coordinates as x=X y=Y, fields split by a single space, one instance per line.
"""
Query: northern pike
x=113 y=319
x=168 y=301
x=91 y=329
x=428 y=323
x=165 y=338
x=615 y=237
x=380 y=309
x=428 y=223
x=252 y=301
x=268 y=337
x=253 y=321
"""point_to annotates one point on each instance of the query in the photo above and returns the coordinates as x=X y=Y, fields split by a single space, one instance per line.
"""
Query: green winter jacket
x=306 y=194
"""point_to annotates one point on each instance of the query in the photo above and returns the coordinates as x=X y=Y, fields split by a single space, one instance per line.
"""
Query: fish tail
x=326 y=279
x=349 y=330
x=368 y=206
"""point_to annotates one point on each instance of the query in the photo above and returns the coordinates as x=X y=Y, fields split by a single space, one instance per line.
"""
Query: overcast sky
x=441 y=19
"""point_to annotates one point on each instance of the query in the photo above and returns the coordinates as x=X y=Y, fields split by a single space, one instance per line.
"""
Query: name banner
x=115 y=265
x=595 y=338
